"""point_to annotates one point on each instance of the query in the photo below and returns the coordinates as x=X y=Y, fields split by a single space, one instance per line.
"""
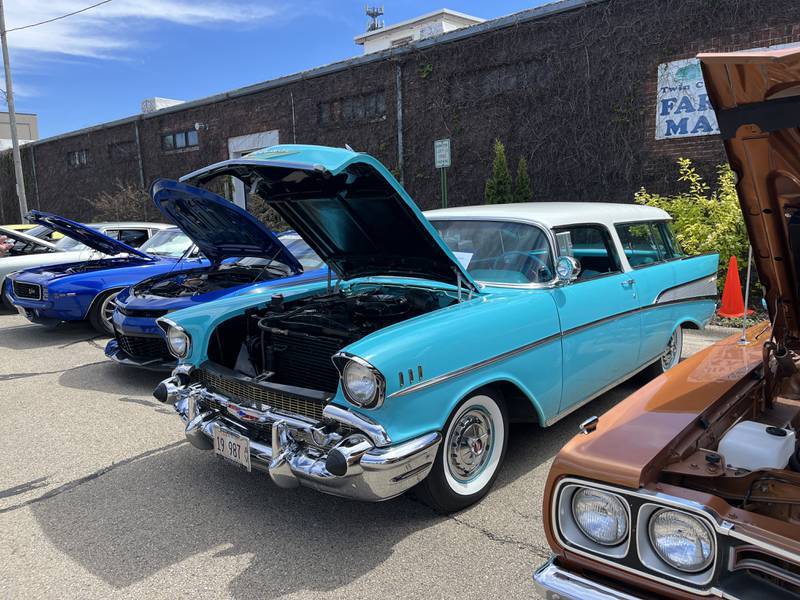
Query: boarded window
x=78 y=158
x=122 y=151
x=353 y=109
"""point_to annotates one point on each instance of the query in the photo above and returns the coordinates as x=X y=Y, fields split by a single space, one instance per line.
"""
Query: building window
x=78 y=158
x=122 y=151
x=365 y=108
x=179 y=140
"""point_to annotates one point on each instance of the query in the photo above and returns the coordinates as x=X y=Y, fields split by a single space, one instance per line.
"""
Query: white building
x=27 y=129
x=418 y=28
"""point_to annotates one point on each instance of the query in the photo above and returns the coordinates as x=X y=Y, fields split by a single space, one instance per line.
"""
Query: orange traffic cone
x=732 y=300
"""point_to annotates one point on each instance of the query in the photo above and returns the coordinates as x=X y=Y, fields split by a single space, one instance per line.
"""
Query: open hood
x=348 y=208
x=217 y=226
x=86 y=235
x=756 y=95
x=21 y=236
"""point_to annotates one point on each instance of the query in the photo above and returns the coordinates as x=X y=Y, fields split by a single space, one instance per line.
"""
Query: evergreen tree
x=522 y=189
x=499 y=187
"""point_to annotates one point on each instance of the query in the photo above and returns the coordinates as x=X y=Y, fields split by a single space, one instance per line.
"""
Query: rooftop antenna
x=374 y=13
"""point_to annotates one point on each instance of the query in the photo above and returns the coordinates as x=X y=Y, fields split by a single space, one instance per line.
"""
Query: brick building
x=572 y=86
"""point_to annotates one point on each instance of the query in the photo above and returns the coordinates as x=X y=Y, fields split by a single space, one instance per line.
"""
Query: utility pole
x=12 y=117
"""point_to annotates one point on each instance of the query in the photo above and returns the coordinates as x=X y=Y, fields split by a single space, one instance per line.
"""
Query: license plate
x=232 y=447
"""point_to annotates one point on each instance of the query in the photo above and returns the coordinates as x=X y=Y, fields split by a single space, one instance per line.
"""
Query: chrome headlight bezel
x=346 y=363
x=707 y=562
x=172 y=334
x=614 y=502
x=638 y=555
x=574 y=535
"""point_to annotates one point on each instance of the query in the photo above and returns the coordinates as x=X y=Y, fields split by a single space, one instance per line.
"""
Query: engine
x=292 y=343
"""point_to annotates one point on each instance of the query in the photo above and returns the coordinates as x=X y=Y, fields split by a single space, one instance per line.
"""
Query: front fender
x=510 y=336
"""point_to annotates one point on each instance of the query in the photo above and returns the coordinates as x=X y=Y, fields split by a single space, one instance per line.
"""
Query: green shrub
x=705 y=220
x=522 y=186
x=499 y=187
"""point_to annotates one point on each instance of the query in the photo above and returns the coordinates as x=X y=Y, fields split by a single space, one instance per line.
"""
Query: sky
x=99 y=65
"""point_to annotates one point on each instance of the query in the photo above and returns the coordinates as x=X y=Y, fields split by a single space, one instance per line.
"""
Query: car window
x=672 y=248
x=167 y=242
x=592 y=247
x=133 y=237
x=499 y=252
x=640 y=245
x=301 y=251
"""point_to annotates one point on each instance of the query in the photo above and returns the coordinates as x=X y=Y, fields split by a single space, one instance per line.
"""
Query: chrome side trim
x=701 y=287
x=511 y=353
x=475 y=366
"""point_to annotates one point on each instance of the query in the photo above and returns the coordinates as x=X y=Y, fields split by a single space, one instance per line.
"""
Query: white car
x=30 y=251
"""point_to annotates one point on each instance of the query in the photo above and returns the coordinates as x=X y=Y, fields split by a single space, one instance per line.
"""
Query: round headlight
x=360 y=384
x=178 y=342
x=681 y=540
x=602 y=517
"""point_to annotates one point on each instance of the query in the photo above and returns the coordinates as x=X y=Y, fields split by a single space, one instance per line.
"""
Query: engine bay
x=292 y=342
x=204 y=281
x=748 y=451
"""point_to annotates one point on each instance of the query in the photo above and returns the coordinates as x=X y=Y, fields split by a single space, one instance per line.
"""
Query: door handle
x=627 y=283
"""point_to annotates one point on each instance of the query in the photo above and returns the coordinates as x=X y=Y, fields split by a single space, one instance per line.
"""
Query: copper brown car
x=690 y=488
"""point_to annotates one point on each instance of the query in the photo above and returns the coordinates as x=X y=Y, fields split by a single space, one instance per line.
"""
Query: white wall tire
x=471 y=453
x=669 y=358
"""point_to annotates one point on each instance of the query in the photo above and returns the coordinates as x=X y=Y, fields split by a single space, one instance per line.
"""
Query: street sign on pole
x=441 y=153
x=12 y=116
x=441 y=158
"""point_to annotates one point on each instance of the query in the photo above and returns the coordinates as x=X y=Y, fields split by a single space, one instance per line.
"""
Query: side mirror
x=567 y=269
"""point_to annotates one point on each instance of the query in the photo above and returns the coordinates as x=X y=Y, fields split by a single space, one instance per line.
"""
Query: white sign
x=441 y=153
x=683 y=109
x=463 y=258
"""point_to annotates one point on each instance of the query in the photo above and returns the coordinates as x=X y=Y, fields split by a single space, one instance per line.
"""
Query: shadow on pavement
x=108 y=376
x=29 y=336
x=155 y=512
x=136 y=520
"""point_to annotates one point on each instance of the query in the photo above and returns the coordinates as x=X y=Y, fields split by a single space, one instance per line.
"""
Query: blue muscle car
x=246 y=258
x=86 y=290
x=436 y=333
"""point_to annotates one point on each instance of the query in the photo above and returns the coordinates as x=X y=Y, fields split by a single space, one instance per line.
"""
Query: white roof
x=556 y=214
x=443 y=12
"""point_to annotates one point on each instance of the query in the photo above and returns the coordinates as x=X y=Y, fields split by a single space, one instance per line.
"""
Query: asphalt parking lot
x=101 y=497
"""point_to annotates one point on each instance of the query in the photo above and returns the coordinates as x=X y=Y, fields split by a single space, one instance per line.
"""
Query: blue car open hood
x=349 y=208
x=84 y=234
x=217 y=226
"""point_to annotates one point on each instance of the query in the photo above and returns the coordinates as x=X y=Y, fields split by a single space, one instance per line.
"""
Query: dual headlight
x=362 y=384
x=600 y=521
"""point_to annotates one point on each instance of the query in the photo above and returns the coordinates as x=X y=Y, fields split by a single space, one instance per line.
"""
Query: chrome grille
x=29 y=291
x=258 y=396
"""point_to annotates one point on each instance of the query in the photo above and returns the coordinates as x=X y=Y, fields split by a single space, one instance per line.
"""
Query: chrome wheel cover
x=107 y=310
x=469 y=445
x=672 y=354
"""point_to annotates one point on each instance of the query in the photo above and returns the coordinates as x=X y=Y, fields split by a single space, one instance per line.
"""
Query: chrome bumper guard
x=557 y=583
x=362 y=465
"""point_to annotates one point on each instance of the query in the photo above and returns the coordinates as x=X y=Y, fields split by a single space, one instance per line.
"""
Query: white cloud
x=106 y=31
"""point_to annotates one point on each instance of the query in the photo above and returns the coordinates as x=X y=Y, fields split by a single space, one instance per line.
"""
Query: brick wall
x=574 y=93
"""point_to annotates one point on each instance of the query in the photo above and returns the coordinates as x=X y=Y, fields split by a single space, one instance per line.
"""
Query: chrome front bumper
x=369 y=467
x=557 y=583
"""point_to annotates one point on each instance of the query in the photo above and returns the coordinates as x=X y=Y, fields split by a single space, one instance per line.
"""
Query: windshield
x=499 y=252
x=295 y=244
x=167 y=242
x=67 y=243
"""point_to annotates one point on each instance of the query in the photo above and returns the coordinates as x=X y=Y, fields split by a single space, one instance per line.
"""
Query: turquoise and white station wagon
x=433 y=334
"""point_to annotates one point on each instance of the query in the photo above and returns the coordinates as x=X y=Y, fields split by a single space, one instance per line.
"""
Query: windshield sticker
x=463 y=258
